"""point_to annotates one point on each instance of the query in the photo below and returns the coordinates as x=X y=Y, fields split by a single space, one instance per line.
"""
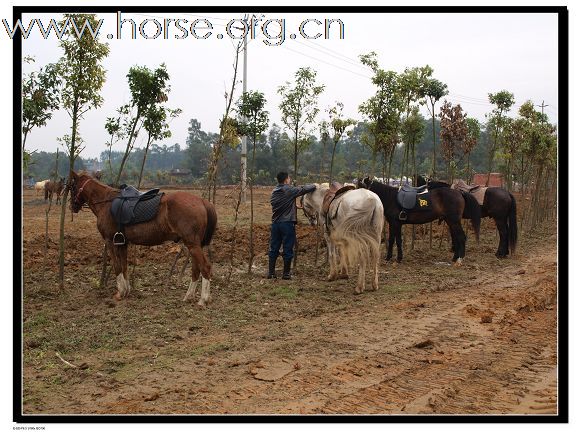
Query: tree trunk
x=320 y=173
x=332 y=163
x=434 y=144
x=251 y=259
x=128 y=149
x=65 y=195
x=143 y=162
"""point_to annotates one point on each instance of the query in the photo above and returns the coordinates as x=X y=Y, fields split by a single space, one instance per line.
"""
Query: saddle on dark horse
x=475 y=189
x=413 y=199
x=132 y=207
x=334 y=191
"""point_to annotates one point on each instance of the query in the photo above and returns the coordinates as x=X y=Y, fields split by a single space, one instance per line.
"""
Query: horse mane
x=84 y=173
x=434 y=184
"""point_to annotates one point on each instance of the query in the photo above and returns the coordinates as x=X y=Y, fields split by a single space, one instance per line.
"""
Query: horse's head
x=312 y=202
x=76 y=186
x=363 y=183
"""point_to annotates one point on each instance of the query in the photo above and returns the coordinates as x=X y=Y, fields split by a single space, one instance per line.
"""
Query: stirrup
x=119 y=240
x=402 y=215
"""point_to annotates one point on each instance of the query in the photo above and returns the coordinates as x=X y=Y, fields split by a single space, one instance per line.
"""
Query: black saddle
x=413 y=198
x=132 y=207
x=420 y=189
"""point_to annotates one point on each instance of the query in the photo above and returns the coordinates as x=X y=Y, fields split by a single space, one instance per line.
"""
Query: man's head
x=283 y=177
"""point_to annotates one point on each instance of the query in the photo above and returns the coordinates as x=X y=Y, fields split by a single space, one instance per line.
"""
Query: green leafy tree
x=252 y=122
x=383 y=113
x=467 y=146
x=148 y=89
x=503 y=101
x=434 y=91
x=299 y=107
x=157 y=128
x=454 y=131
x=338 y=126
x=412 y=86
x=82 y=77
x=323 y=130
x=40 y=98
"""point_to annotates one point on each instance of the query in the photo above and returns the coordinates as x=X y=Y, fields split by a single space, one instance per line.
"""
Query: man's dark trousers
x=283 y=233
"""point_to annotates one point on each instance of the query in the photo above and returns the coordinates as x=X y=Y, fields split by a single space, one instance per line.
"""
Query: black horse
x=500 y=205
x=446 y=204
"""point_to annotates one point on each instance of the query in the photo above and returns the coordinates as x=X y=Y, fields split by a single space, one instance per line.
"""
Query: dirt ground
x=435 y=339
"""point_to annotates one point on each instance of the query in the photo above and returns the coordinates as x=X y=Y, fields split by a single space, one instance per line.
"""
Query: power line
x=328 y=63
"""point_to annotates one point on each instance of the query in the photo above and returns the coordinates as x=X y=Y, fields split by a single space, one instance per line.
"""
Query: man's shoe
x=287 y=267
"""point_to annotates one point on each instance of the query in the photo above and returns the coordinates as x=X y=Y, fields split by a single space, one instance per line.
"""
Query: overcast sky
x=474 y=54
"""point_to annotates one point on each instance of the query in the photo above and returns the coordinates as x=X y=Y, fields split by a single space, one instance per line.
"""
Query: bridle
x=77 y=196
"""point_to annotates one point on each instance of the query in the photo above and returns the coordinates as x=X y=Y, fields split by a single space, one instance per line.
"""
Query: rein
x=77 y=196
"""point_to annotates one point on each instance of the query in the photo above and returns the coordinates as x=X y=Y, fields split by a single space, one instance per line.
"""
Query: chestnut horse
x=52 y=187
x=181 y=216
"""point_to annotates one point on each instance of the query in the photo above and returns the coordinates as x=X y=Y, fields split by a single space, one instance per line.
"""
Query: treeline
x=273 y=154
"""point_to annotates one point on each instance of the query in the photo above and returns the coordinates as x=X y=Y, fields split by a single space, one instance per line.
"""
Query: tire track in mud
x=467 y=368
x=435 y=354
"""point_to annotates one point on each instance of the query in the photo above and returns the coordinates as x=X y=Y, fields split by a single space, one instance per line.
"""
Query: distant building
x=495 y=179
x=177 y=174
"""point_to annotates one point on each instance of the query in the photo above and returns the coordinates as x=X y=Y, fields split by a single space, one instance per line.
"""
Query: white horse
x=353 y=227
x=39 y=186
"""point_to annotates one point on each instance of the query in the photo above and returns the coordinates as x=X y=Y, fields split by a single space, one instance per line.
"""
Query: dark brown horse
x=53 y=187
x=500 y=205
x=181 y=216
x=446 y=204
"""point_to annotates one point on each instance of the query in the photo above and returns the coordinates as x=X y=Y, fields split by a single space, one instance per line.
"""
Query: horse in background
x=54 y=187
x=39 y=187
x=496 y=203
x=181 y=216
x=445 y=204
x=353 y=224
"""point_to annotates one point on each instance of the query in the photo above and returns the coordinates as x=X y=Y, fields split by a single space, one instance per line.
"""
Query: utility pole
x=542 y=106
x=244 y=163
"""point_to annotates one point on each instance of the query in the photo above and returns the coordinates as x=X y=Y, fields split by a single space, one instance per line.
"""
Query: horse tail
x=472 y=211
x=211 y=223
x=45 y=192
x=512 y=225
x=359 y=233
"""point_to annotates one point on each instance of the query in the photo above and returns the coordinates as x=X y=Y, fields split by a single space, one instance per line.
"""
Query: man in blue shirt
x=284 y=219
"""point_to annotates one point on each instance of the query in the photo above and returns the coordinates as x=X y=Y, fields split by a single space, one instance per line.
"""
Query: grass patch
x=209 y=349
x=401 y=288
x=284 y=292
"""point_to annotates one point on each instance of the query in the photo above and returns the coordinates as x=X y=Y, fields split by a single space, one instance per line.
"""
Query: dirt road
x=478 y=339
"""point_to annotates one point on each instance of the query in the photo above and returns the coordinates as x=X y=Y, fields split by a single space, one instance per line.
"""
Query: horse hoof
x=357 y=291
x=457 y=262
x=343 y=276
x=117 y=296
x=202 y=304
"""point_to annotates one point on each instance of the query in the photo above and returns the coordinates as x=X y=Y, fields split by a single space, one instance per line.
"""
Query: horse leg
x=119 y=260
x=360 y=286
x=200 y=264
x=399 y=242
x=332 y=261
x=458 y=241
x=391 y=242
x=343 y=266
x=502 y=249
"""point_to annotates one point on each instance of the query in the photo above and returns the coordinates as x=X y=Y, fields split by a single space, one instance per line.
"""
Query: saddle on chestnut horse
x=132 y=207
